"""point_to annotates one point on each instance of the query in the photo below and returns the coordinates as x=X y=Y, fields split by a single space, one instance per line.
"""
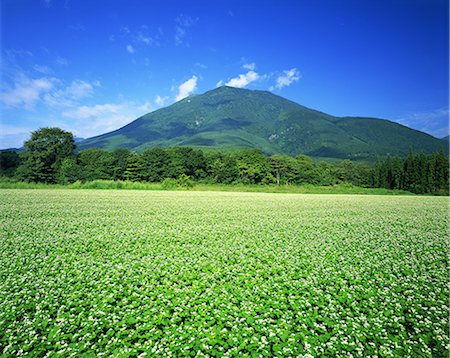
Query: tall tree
x=44 y=153
x=284 y=168
x=119 y=163
x=156 y=163
x=135 y=168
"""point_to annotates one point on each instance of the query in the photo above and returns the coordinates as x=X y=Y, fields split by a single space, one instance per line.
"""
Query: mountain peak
x=230 y=117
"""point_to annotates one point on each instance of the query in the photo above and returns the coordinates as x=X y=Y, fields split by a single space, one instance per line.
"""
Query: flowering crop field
x=149 y=273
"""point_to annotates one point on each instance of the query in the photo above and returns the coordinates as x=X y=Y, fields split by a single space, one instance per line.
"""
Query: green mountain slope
x=229 y=117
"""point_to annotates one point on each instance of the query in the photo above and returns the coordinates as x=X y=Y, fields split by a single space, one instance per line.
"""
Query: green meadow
x=200 y=273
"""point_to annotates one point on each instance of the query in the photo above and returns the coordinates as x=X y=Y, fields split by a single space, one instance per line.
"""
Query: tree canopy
x=44 y=154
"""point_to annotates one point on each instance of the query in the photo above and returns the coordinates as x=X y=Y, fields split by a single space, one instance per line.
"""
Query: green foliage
x=253 y=167
x=96 y=164
x=119 y=163
x=135 y=168
x=44 y=153
x=127 y=273
x=156 y=162
x=9 y=161
x=69 y=172
x=238 y=118
x=418 y=173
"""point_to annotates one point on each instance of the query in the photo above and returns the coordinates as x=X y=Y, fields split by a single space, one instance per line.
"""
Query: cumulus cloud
x=26 y=92
x=289 y=77
x=161 y=101
x=243 y=80
x=249 y=66
x=130 y=49
x=186 y=88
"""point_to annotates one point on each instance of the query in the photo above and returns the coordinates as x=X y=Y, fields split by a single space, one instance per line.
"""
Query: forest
x=50 y=156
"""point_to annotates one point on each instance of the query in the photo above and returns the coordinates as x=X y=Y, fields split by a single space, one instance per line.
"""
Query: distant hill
x=229 y=118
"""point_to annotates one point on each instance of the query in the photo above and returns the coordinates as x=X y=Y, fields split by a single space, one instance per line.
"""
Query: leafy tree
x=119 y=163
x=222 y=168
x=156 y=164
x=44 y=153
x=95 y=164
x=284 y=168
x=306 y=170
x=69 y=172
x=253 y=167
x=186 y=160
x=9 y=161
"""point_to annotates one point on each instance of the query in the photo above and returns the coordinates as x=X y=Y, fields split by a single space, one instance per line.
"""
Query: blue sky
x=92 y=66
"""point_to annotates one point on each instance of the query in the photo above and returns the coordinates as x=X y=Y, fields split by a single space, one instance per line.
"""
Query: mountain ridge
x=228 y=117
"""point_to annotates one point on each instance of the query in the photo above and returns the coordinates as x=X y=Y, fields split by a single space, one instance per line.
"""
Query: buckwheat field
x=160 y=274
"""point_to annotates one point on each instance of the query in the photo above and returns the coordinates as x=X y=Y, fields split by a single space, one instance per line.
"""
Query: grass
x=173 y=273
x=128 y=185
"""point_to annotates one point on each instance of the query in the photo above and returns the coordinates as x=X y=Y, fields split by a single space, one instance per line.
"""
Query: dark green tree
x=222 y=168
x=186 y=160
x=9 y=161
x=119 y=163
x=135 y=168
x=44 y=153
x=306 y=170
x=95 y=164
x=156 y=164
x=253 y=167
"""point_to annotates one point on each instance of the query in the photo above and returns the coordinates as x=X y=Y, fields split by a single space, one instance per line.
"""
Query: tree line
x=49 y=156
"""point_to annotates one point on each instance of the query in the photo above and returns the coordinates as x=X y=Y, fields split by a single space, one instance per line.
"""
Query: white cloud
x=45 y=70
x=249 y=66
x=201 y=65
x=186 y=88
x=161 y=101
x=130 y=49
x=220 y=83
x=144 y=38
x=87 y=112
x=79 y=89
x=183 y=23
x=77 y=27
x=26 y=92
x=243 y=80
x=434 y=122
x=13 y=136
x=67 y=97
x=146 y=107
x=88 y=121
x=61 y=61
x=287 y=79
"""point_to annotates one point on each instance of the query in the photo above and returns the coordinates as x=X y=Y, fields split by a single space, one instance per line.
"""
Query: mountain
x=228 y=117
